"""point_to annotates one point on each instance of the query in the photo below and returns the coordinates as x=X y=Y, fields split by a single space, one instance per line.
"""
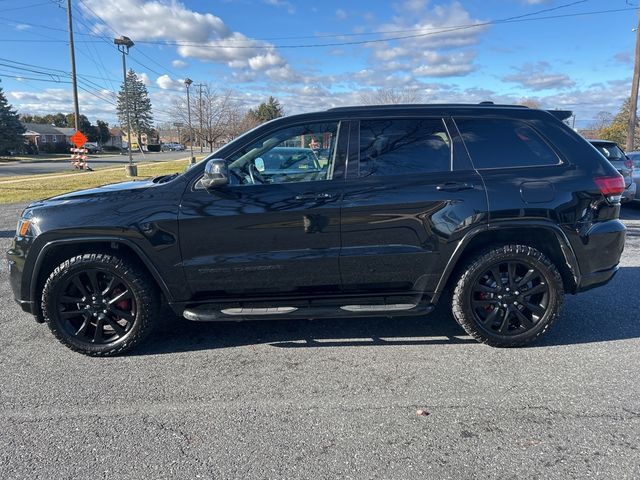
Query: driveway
x=330 y=399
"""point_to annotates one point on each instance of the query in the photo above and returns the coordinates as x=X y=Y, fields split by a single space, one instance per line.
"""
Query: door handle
x=313 y=196
x=454 y=186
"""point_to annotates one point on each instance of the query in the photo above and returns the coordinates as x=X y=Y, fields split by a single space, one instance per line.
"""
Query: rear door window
x=404 y=147
x=503 y=143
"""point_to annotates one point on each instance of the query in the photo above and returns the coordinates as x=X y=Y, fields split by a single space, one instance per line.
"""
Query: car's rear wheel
x=508 y=296
x=99 y=304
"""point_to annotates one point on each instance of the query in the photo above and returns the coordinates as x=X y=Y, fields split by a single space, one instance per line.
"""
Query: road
x=95 y=161
x=330 y=399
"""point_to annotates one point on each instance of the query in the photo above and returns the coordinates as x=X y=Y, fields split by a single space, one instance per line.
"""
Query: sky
x=567 y=54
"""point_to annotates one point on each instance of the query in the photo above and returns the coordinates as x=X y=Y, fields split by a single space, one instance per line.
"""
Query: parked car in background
x=495 y=211
x=612 y=152
x=172 y=147
x=635 y=158
x=290 y=164
x=92 y=147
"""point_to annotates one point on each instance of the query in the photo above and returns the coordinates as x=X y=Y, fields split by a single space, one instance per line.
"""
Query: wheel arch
x=548 y=238
x=56 y=251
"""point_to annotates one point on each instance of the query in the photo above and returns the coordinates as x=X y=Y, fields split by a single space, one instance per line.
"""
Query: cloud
x=179 y=64
x=21 y=27
x=144 y=78
x=54 y=100
x=341 y=14
x=165 y=82
x=201 y=35
x=449 y=65
x=624 y=57
x=536 y=76
x=282 y=4
x=436 y=48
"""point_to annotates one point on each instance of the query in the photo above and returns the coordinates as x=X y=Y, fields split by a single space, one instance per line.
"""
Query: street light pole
x=633 y=103
x=74 y=82
x=124 y=44
x=187 y=83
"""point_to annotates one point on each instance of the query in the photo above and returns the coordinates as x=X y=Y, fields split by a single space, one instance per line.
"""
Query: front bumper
x=16 y=257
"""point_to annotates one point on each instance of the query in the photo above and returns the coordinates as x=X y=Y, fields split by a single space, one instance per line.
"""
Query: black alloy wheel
x=100 y=304
x=508 y=296
x=97 y=306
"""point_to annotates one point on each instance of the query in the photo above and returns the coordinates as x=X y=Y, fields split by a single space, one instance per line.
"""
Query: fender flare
x=98 y=238
x=565 y=246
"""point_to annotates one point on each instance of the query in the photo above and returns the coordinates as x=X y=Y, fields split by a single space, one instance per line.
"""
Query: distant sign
x=79 y=139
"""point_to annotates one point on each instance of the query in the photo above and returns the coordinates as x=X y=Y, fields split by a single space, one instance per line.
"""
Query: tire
x=100 y=304
x=499 y=301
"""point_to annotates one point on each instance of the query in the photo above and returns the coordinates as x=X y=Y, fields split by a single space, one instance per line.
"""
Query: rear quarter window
x=504 y=143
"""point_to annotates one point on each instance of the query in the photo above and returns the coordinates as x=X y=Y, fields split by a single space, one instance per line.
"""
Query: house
x=67 y=132
x=38 y=135
x=115 y=139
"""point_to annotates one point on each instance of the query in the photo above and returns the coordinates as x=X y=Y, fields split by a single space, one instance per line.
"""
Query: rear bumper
x=598 y=253
x=629 y=194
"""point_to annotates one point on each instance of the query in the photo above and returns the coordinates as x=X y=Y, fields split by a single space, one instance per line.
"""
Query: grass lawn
x=35 y=187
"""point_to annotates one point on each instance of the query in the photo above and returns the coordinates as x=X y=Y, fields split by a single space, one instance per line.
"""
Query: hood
x=113 y=189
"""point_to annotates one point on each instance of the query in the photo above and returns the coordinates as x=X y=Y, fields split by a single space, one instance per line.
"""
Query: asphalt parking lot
x=330 y=399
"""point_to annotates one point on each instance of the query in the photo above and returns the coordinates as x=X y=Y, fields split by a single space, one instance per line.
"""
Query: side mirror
x=216 y=173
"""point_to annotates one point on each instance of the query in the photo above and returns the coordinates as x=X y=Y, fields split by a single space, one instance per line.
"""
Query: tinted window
x=611 y=151
x=496 y=143
x=403 y=147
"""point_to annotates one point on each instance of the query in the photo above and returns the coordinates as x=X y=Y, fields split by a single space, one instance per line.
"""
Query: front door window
x=304 y=153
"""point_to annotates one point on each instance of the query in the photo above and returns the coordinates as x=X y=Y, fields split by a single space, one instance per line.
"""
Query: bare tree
x=217 y=118
x=603 y=120
x=387 y=96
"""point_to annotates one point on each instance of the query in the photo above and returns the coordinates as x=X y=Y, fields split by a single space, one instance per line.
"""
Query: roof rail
x=422 y=105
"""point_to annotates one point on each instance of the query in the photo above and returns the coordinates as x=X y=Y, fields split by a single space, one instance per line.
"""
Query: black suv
x=498 y=210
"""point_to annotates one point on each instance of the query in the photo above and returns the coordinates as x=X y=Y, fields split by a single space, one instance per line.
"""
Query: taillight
x=610 y=186
x=628 y=163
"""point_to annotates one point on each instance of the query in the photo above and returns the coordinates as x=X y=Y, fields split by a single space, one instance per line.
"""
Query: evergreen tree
x=139 y=107
x=267 y=111
x=11 y=129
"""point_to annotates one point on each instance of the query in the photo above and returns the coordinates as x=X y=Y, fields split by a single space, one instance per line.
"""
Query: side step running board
x=213 y=313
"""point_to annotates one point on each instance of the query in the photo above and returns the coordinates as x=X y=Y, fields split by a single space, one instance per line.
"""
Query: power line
x=338 y=44
x=25 y=6
x=389 y=39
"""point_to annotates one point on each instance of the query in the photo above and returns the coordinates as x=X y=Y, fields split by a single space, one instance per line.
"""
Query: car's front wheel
x=508 y=296
x=99 y=304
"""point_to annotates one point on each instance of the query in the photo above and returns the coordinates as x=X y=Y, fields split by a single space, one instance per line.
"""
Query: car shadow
x=179 y=335
x=600 y=315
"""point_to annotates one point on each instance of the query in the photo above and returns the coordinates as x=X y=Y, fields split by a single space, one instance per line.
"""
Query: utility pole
x=200 y=85
x=187 y=83
x=74 y=82
x=633 y=107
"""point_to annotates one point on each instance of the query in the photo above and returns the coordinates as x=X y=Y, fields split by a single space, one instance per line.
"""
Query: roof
x=42 y=128
x=66 y=131
x=116 y=132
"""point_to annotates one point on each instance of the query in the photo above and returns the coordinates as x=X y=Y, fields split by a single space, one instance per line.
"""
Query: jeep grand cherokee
x=497 y=211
